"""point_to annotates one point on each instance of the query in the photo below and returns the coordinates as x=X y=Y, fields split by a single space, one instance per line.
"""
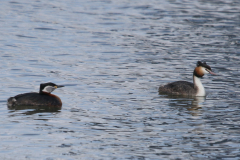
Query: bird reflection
x=192 y=104
x=30 y=110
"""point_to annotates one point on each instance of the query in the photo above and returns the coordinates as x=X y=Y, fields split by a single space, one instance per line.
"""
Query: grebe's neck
x=198 y=86
x=43 y=92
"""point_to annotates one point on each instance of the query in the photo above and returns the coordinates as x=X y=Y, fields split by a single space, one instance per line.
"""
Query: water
x=112 y=56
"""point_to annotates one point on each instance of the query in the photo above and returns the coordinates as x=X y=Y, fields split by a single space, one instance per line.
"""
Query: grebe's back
x=178 y=88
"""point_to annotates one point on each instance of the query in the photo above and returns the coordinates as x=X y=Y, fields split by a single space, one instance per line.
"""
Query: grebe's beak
x=58 y=86
x=211 y=72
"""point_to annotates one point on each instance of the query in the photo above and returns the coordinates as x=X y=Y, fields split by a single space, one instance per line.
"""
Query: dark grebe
x=186 y=88
x=44 y=98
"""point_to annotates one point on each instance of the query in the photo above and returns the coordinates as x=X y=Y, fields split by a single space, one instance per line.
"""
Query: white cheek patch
x=205 y=71
x=48 y=89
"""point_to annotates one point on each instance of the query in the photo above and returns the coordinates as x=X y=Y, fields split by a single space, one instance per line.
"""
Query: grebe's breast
x=178 y=88
x=35 y=99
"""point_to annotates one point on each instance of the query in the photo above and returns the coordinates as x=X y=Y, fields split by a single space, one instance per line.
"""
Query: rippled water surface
x=112 y=56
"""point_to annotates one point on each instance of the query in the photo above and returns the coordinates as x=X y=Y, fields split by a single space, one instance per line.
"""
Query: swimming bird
x=187 y=88
x=42 y=99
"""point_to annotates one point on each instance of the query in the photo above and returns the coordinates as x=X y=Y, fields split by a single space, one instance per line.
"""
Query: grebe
x=44 y=98
x=187 y=88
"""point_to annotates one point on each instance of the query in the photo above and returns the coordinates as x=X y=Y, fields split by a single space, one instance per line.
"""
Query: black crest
x=42 y=85
x=203 y=64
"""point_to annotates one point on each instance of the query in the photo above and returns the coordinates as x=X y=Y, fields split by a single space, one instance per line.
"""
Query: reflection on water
x=30 y=111
x=192 y=104
x=33 y=109
x=114 y=55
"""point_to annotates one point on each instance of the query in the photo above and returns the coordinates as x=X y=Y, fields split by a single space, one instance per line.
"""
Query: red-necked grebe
x=43 y=98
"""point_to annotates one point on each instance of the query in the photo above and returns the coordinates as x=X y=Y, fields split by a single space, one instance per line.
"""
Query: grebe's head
x=48 y=87
x=202 y=68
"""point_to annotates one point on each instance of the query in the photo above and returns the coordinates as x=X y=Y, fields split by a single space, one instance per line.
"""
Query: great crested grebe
x=187 y=88
x=43 y=98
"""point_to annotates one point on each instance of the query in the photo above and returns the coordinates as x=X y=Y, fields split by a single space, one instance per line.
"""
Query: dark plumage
x=178 y=88
x=42 y=99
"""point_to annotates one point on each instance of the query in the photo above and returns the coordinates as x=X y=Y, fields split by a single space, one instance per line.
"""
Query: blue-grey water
x=112 y=56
